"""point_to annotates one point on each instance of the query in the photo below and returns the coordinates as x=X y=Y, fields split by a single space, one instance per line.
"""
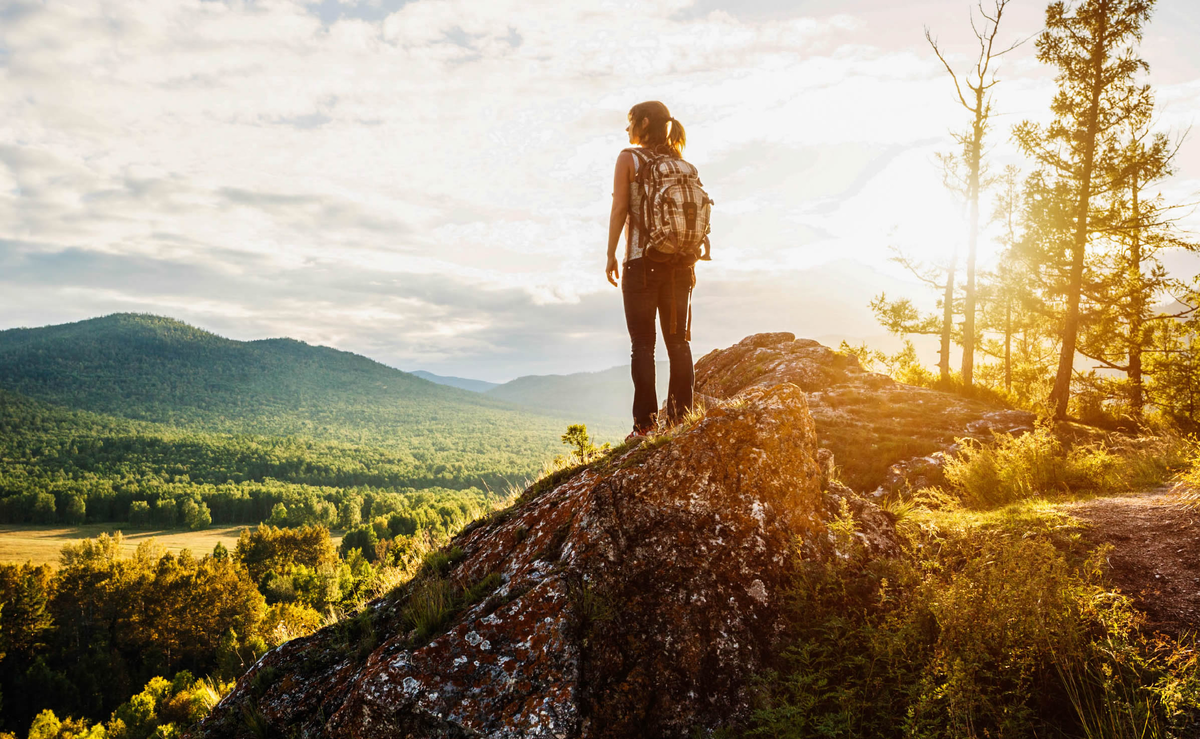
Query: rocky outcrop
x=638 y=596
x=884 y=435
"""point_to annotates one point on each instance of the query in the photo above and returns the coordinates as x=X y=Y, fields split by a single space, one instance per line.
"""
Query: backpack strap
x=687 y=326
x=671 y=297
x=687 y=331
x=645 y=159
x=641 y=154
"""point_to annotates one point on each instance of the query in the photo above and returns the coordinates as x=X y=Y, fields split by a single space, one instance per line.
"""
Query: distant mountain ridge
x=161 y=369
x=607 y=394
x=475 y=386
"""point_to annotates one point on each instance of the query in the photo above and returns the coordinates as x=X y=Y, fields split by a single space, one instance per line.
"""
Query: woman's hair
x=663 y=133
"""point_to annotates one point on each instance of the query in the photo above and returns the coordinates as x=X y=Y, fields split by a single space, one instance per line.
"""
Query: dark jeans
x=649 y=289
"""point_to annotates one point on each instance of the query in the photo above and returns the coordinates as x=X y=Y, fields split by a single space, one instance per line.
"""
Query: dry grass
x=1038 y=464
x=42 y=544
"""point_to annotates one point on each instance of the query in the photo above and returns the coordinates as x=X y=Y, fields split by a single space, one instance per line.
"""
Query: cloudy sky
x=428 y=182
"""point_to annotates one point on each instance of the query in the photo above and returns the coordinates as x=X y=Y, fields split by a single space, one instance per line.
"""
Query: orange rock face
x=636 y=598
x=884 y=435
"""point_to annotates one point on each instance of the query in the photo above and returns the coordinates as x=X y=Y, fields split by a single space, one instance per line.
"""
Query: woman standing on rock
x=659 y=203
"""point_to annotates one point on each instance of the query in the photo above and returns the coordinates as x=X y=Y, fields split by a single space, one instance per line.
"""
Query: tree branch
x=953 y=76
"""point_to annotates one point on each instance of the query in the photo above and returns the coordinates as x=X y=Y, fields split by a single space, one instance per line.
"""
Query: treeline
x=74 y=467
x=153 y=504
x=1079 y=316
x=78 y=641
x=76 y=444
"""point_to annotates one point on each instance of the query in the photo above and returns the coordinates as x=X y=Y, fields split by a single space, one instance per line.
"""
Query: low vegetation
x=997 y=620
x=1041 y=464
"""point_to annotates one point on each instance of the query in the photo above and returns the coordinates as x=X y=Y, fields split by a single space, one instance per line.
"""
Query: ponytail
x=663 y=133
x=676 y=138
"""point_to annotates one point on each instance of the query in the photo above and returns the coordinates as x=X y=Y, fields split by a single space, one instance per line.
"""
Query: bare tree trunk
x=973 y=163
x=972 y=157
x=1008 y=344
x=947 y=319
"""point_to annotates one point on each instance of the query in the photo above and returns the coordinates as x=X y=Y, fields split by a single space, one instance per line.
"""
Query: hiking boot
x=637 y=433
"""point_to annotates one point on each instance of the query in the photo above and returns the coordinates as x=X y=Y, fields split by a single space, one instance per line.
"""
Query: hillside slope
x=158 y=369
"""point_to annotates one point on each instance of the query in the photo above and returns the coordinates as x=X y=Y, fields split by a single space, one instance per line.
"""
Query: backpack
x=675 y=210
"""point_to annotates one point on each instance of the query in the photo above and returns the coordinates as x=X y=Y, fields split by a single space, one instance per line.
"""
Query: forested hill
x=163 y=372
x=159 y=369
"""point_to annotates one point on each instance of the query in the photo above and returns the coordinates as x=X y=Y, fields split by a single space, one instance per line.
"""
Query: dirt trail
x=1156 y=553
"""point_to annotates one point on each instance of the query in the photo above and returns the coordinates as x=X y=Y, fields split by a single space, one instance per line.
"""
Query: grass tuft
x=434 y=601
x=430 y=606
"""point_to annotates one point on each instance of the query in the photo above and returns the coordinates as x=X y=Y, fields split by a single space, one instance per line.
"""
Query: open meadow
x=42 y=544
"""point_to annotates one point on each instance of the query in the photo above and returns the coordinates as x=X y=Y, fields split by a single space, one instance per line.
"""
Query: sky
x=428 y=182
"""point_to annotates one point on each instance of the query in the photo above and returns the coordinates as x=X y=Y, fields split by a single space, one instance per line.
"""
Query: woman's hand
x=612 y=271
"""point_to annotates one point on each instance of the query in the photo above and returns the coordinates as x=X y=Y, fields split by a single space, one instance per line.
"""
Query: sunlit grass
x=992 y=622
x=1041 y=464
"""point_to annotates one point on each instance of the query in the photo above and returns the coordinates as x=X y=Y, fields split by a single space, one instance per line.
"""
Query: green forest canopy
x=148 y=420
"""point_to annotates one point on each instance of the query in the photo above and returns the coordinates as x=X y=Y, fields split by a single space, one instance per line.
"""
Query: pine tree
x=1132 y=273
x=902 y=318
x=1093 y=45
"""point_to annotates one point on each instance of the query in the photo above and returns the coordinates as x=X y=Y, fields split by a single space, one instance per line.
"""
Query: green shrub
x=440 y=561
x=995 y=624
x=1010 y=468
x=481 y=589
x=433 y=600
x=263 y=680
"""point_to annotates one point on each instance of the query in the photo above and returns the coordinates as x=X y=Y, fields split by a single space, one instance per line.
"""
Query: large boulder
x=636 y=596
x=884 y=435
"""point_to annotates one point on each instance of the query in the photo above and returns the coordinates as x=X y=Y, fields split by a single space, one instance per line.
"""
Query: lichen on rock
x=638 y=597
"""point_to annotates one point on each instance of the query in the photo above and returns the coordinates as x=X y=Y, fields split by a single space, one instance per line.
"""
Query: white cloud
x=292 y=147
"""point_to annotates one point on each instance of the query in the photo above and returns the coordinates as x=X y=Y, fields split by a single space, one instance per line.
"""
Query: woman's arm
x=620 y=212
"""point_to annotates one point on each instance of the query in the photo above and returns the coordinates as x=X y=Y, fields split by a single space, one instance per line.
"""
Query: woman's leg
x=677 y=290
x=639 y=291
